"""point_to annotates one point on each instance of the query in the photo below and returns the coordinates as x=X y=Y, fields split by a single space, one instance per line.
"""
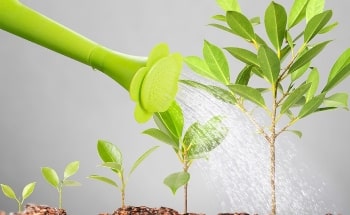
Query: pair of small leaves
x=51 y=176
x=213 y=66
x=304 y=9
x=26 y=192
x=111 y=156
x=154 y=86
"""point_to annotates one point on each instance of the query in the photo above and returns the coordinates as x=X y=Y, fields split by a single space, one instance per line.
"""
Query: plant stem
x=19 y=206
x=273 y=150
x=186 y=166
x=123 y=188
x=273 y=177
x=60 y=197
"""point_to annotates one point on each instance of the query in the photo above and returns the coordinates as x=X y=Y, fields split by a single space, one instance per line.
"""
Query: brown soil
x=143 y=210
x=32 y=209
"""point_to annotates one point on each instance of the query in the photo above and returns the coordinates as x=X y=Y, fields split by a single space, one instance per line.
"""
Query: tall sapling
x=283 y=62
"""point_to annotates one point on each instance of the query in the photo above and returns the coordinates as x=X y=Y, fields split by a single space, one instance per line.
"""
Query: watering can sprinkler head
x=151 y=81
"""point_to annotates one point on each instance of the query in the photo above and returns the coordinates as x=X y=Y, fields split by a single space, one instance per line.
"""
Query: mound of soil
x=143 y=210
x=32 y=209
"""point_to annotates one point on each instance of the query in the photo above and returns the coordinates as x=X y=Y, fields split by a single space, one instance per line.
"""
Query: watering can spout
x=151 y=81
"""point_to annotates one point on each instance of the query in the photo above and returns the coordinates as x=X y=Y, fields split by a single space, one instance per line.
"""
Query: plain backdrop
x=54 y=109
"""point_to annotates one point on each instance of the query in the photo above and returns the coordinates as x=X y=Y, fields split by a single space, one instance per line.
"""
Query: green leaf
x=50 y=176
x=297 y=12
x=249 y=93
x=142 y=158
x=296 y=132
x=171 y=121
x=275 y=24
x=244 y=55
x=7 y=190
x=255 y=20
x=217 y=63
x=338 y=78
x=311 y=106
x=109 y=152
x=307 y=56
x=71 y=183
x=294 y=97
x=222 y=27
x=315 y=25
x=199 y=66
x=314 y=79
x=269 y=63
x=328 y=28
x=342 y=61
x=244 y=76
x=219 y=93
x=28 y=190
x=104 y=179
x=337 y=100
x=113 y=165
x=176 y=180
x=313 y=8
x=219 y=17
x=300 y=71
x=161 y=136
x=240 y=25
x=229 y=5
x=71 y=169
x=200 y=139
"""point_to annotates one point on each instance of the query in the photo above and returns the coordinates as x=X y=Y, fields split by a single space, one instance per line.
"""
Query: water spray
x=151 y=81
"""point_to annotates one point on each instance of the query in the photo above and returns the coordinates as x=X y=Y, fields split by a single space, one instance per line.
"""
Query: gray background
x=53 y=109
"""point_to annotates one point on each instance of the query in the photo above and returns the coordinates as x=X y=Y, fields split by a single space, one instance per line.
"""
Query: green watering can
x=151 y=81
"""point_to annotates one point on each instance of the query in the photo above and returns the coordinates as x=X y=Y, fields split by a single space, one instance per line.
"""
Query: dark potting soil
x=143 y=210
x=32 y=209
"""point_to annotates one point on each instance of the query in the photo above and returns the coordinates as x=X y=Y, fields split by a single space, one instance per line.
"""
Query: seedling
x=26 y=192
x=283 y=62
x=195 y=143
x=51 y=176
x=112 y=159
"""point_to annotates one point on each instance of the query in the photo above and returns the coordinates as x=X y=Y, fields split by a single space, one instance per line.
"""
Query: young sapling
x=112 y=159
x=195 y=143
x=26 y=192
x=51 y=176
x=283 y=61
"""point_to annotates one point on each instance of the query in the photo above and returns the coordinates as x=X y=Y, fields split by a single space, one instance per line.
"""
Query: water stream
x=238 y=170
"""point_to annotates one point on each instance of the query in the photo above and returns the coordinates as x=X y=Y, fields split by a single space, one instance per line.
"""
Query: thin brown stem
x=273 y=151
x=186 y=166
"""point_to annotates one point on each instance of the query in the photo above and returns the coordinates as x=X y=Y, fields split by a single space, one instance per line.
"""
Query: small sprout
x=27 y=191
x=50 y=175
x=112 y=159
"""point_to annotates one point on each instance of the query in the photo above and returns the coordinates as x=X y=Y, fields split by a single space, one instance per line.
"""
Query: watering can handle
x=24 y=22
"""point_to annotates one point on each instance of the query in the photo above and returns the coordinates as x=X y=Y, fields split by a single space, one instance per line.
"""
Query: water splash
x=238 y=170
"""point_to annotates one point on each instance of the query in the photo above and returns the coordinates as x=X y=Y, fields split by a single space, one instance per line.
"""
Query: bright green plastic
x=29 y=24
